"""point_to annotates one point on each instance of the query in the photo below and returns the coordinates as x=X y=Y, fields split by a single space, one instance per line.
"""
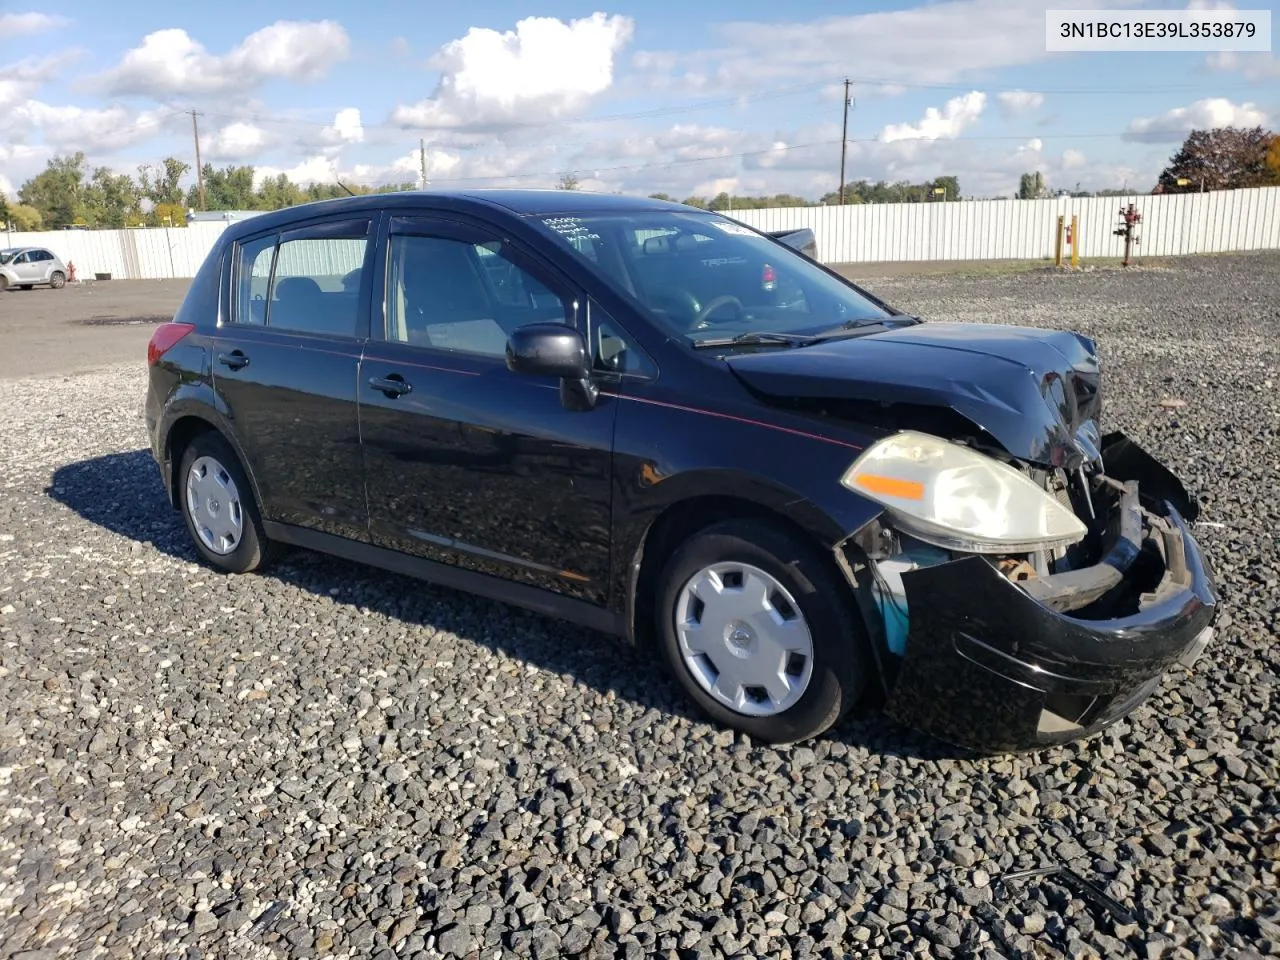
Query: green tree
x=1273 y=159
x=950 y=185
x=568 y=182
x=278 y=192
x=230 y=188
x=1224 y=158
x=1031 y=186
x=57 y=192
x=111 y=200
x=162 y=184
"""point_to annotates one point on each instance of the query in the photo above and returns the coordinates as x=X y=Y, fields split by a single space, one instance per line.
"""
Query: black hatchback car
x=661 y=423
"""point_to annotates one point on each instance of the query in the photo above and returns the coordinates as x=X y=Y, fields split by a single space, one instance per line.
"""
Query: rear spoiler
x=802 y=240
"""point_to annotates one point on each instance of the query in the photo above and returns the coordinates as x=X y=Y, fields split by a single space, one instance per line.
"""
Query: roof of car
x=521 y=203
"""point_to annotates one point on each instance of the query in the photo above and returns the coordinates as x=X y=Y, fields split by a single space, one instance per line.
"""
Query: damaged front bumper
x=991 y=664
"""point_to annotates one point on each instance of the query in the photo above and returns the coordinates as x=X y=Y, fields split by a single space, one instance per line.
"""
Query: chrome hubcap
x=743 y=639
x=213 y=503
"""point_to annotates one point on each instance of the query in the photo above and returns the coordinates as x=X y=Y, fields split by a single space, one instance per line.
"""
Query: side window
x=451 y=294
x=253 y=279
x=20 y=258
x=614 y=351
x=315 y=285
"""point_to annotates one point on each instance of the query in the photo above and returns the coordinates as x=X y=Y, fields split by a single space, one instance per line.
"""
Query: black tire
x=57 y=279
x=4 y=284
x=841 y=664
x=253 y=550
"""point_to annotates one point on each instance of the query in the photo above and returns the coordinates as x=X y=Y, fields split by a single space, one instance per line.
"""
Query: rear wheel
x=217 y=503
x=759 y=629
x=57 y=279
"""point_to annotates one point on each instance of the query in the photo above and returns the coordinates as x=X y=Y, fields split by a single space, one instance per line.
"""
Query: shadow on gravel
x=122 y=493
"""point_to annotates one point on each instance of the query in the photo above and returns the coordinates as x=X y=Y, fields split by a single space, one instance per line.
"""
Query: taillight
x=164 y=339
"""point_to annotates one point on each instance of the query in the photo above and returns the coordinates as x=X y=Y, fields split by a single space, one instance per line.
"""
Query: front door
x=285 y=366
x=465 y=462
x=26 y=269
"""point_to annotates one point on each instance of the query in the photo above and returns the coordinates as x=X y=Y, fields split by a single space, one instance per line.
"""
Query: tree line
x=68 y=193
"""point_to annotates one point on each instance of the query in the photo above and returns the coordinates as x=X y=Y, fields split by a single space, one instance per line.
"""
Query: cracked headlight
x=953 y=497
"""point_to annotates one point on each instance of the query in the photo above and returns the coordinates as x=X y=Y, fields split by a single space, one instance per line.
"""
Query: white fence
x=1172 y=224
x=1217 y=222
x=142 y=254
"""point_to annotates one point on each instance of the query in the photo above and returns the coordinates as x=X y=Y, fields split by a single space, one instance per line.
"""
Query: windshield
x=7 y=255
x=707 y=278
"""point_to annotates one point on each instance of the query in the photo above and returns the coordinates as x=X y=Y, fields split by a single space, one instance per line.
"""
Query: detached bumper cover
x=992 y=668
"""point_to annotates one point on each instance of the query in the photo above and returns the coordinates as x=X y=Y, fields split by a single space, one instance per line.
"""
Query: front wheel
x=759 y=629
x=57 y=279
x=218 y=505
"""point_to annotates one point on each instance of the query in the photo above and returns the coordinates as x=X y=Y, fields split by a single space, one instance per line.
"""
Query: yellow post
x=1057 y=246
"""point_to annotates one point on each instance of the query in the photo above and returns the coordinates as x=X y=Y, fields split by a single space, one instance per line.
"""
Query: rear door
x=467 y=463
x=285 y=367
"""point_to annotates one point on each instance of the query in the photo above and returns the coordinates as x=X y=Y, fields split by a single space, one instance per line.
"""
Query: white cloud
x=346 y=127
x=944 y=124
x=236 y=142
x=1072 y=159
x=25 y=24
x=1014 y=103
x=19 y=162
x=171 y=62
x=1175 y=124
x=73 y=128
x=312 y=170
x=19 y=81
x=542 y=70
x=934 y=42
x=1254 y=66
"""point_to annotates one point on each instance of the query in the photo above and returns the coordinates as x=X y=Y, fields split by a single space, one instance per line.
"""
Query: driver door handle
x=393 y=386
x=235 y=359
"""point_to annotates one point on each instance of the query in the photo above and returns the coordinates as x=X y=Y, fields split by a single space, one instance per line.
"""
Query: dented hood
x=1030 y=389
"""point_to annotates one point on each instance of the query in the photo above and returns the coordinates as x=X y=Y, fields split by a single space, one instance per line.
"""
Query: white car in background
x=26 y=267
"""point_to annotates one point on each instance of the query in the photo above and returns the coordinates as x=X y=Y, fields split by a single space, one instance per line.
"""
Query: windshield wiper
x=859 y=323
x=755 y=338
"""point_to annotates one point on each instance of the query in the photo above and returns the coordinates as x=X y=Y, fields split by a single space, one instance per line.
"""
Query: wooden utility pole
x=844 y=137
x=195 y=130
x=422 y=155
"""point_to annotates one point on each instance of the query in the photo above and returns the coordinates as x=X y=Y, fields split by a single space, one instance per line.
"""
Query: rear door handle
x=235 y=360
x=393 y=386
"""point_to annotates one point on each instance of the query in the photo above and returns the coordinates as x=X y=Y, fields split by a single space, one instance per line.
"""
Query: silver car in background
x=27 y=267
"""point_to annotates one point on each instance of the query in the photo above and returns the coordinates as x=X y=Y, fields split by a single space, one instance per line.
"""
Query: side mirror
x=555 y=350
x=548 y=350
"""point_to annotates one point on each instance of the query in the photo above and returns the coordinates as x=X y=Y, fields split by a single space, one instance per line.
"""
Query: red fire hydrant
x=1129 y=220
x=71 y=271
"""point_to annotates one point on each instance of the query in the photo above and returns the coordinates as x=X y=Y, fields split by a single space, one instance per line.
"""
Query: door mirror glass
x=548 y=350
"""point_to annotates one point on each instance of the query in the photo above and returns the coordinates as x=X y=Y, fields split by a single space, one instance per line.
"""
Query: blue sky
x=742 y=96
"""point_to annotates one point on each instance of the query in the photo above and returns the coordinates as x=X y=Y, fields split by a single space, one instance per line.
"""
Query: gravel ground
x=329 y=761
